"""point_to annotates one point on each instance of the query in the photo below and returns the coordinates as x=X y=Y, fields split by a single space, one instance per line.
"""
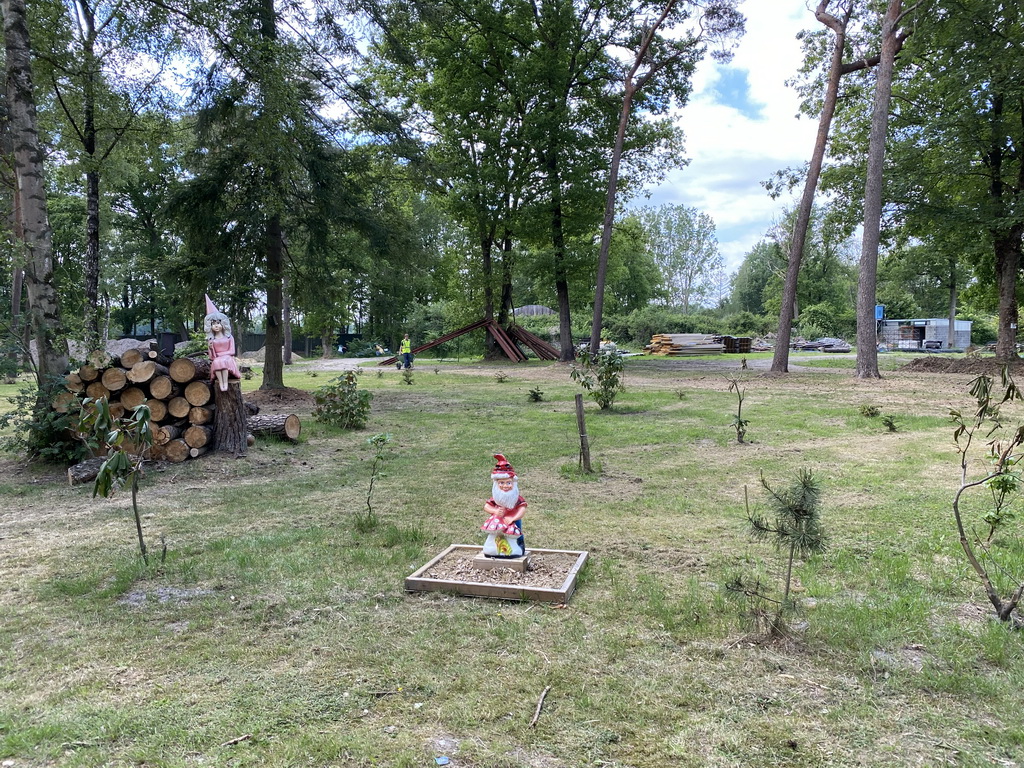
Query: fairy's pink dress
x=222 y=356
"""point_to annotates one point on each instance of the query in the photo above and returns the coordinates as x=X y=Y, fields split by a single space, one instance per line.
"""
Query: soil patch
x=970 y=364
x=287 y=399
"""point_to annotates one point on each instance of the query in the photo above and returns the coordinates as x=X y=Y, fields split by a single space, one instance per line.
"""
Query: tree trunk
x=609 y=218
x=286 y=321
x=43 y=307
x=951 y=340
x=273 y=362
x=867 y=333
x=780 y=357
x=1007 y=250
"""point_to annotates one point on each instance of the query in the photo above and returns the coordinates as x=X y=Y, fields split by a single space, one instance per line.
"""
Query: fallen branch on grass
x=540 y=703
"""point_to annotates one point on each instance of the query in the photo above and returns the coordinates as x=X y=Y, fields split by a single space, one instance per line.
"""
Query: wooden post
x=584 y=440
x=231 y=417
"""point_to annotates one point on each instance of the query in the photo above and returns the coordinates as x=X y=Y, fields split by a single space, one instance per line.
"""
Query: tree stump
x=85 y=471
x=231 y=426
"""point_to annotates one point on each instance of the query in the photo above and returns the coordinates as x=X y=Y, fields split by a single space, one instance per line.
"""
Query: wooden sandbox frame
x=417 y=582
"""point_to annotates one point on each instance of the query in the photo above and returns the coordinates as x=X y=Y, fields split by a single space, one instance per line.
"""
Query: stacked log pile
x=681 y=344
x=181 y=399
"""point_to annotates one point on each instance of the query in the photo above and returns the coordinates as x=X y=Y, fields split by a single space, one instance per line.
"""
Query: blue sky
x=741 y=127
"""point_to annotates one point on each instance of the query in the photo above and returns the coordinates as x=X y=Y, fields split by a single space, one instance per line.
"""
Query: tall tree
x=32 y=226
x=685 y=247
x=837 y=68
x=867 y=333
x=102 y=65
x=674 y=60
x=958 y=167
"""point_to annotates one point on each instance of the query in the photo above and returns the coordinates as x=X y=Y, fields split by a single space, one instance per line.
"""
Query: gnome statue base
x=504 y=527
x=502 y=546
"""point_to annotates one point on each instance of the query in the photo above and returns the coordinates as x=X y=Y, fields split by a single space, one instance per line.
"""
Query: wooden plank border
x=417 y=582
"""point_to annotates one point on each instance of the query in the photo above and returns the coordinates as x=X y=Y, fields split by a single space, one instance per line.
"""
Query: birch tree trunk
x=43 y=309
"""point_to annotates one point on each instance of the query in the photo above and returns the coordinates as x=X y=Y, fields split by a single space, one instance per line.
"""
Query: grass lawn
x=277 y=633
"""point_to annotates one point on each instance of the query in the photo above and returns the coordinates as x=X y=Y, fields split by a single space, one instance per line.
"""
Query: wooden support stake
x=584 y=440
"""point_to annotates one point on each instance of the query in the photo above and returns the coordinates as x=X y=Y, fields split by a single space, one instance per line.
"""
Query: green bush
x=342 y=404
x=640 y=325
x=41 y=431
x=600 y=375
x=746 y=324
x=196 y=343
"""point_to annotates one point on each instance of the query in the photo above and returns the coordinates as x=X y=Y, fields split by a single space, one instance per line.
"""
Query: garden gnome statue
x=506 y=508
x=220 y=346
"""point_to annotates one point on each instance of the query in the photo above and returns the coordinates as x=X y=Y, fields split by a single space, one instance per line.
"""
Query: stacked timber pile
x=681 y=344
x=181 y=398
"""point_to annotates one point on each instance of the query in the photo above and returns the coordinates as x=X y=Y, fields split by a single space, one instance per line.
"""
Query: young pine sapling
x=794 y=528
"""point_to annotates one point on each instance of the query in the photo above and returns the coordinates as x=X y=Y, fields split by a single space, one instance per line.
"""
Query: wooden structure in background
x=507 y=341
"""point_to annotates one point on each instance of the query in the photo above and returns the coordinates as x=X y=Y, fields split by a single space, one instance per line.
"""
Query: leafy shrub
x=196 y=343
x=600 y=375
x=746 y=324
x=41 y=431
x=342 y=404
x=640 y=325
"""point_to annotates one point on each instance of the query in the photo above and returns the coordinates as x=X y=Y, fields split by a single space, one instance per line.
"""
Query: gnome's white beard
x=507 y=499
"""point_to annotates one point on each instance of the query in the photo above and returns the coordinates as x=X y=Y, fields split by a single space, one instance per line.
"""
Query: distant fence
x=251 y=342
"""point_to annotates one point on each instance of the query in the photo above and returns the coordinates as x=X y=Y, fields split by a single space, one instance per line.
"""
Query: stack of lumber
x=680 y=344
x=180 y=397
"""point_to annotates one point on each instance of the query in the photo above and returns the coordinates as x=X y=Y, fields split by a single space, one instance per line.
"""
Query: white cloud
x=733 y=151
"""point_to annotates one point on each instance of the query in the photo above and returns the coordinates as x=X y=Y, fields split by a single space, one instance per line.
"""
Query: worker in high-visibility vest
x=406 y=352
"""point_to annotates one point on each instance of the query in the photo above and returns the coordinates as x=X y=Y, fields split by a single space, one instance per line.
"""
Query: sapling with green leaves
x=738 y=422
x=793 y=527
x=600 y=374
x=127 y=439
x=380 y=445
x=996 y=561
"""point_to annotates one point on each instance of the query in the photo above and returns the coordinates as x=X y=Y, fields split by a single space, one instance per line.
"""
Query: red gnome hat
x=502 y=469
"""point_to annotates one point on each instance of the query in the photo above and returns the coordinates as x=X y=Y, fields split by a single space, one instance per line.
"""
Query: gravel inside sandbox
x=547 y=570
